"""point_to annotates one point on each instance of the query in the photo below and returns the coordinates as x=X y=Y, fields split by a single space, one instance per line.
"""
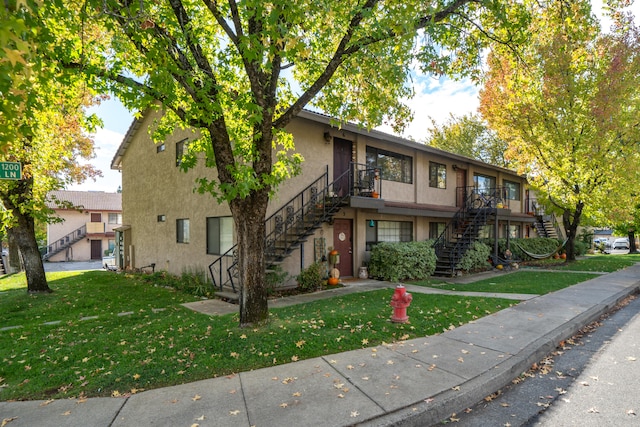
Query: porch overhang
x=361 y=202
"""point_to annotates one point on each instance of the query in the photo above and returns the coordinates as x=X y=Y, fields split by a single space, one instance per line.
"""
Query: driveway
x=73 y=265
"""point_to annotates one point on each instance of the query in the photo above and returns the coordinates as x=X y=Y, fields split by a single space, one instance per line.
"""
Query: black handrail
x=466 y=222
x=65 y=241
x=285 y=228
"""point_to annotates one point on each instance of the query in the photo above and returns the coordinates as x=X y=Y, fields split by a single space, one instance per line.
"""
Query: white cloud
x=106 y=143
x=437 y=99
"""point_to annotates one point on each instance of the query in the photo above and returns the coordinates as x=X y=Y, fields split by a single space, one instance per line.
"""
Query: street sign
x=10 y=170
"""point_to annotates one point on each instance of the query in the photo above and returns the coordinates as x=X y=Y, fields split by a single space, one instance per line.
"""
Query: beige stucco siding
x=153 y=185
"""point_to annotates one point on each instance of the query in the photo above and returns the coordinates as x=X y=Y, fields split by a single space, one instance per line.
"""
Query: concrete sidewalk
x=415 y=383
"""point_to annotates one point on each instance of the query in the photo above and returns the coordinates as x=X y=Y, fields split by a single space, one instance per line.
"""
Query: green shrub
x=402 y=261
x=190 y=282
x=476 y=258
x=275 y=277
x=310 y=278
x=581 y=247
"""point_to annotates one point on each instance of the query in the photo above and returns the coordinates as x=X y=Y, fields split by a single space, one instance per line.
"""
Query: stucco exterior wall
x=154 y=186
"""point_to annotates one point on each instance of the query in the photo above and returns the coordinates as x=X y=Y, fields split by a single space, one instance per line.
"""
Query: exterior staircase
x=547 y=226
x=3 y=267
x=286 y=230
x=65 y=242
x=464 y=228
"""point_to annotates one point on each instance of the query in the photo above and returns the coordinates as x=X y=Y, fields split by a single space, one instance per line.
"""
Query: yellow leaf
x=14 y=56
x=136 y=376
x=236 y=412
x=196 y=397
x=284 y=405
x=243 y=337
x=365 y=341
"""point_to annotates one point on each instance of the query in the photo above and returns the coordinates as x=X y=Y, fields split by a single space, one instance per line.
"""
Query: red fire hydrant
x=400 y=300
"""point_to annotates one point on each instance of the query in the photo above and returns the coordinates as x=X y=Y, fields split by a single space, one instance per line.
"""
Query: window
x=436 y=229
x=112 y=245
x=162 y=218
x=219 y=234
x=182 y=230
x=512 y=190
x=513 y=231
x=115 y=218
x=388 y=231
x=484 y=184
x=160 y=148
x=393 y=166
x=437 y=175
x=181 y=149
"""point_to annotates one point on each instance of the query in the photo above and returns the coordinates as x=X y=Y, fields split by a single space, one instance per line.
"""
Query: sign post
x=10 y=170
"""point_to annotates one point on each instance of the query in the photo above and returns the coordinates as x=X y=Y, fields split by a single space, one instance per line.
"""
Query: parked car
x=620 y=244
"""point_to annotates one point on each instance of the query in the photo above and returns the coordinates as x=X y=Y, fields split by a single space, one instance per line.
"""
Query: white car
x=620 y=244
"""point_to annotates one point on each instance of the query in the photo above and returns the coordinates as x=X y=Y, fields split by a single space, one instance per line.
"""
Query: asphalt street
x=592 y=379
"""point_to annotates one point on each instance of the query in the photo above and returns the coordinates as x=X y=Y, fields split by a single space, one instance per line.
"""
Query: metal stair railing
x=465 y=225
x=287 y=227
x=66 y=241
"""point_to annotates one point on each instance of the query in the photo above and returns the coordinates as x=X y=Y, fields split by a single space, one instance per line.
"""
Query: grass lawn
x=531 y=281
x=107 y=334
x=607 y=263
x=520 y=282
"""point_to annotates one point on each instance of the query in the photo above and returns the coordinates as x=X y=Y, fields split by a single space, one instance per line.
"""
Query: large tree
x=568 y=107
x=240 y=71
x=42 y=126
x=469 y=136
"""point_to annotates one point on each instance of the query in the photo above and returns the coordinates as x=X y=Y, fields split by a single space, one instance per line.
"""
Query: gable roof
x=313 y=116
x=86 y=200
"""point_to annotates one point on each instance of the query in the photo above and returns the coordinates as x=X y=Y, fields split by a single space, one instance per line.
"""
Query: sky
x=436 y=98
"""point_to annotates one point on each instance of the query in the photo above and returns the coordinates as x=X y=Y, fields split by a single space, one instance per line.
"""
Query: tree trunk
x=25 y=236
x=632 y=242
x=571 y=221
x=14 y=253
x=249 y=214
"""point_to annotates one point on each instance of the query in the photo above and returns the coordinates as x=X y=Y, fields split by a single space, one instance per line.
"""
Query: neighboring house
x=357 y=188
x=87 y=228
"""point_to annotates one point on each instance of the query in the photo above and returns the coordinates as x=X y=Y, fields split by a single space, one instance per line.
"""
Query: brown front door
x=96 y=249
x=342 y=243
x=341 y=161
x=461 y=185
